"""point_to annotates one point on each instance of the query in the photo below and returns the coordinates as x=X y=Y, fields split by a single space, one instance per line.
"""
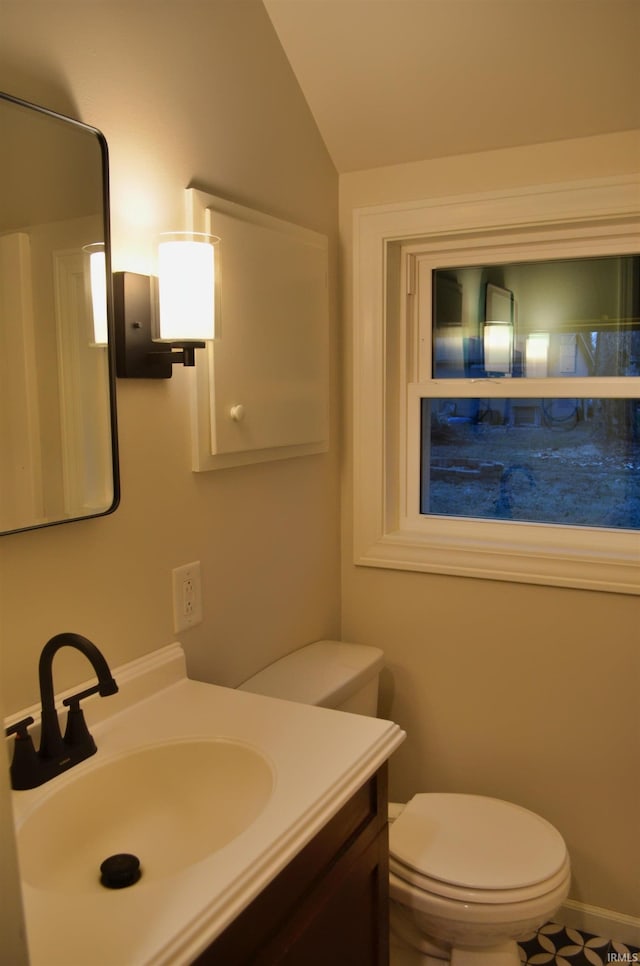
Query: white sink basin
x=171 y=805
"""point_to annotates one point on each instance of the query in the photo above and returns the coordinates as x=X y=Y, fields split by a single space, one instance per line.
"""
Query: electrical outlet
x=187 y=596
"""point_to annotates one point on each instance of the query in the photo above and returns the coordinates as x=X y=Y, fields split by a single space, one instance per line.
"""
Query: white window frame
x=392 y=372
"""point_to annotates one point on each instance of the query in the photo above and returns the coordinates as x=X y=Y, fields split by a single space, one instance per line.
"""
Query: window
x=497 y=389
x=552 y=455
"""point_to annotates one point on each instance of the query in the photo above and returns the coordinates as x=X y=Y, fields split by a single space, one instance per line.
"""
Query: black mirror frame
x=104 y=153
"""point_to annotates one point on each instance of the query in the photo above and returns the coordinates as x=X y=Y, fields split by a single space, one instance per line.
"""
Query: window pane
x=562 y=318
x=574 y=462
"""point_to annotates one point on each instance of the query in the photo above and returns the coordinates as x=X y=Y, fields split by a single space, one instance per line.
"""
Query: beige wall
x=183 y=91
x=522 y=692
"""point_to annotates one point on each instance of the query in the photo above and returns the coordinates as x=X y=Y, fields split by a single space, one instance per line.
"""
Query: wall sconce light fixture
x=498 y=347
x=161 y=322
x=97 y=278
x=537 y=355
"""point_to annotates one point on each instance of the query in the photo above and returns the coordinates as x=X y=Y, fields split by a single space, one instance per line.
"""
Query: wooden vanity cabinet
x=329 y=906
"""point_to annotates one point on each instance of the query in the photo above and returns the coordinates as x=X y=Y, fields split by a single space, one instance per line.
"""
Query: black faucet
x=57 y=753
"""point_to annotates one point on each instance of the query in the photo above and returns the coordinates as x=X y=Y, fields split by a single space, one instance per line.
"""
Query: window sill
x=411 y=549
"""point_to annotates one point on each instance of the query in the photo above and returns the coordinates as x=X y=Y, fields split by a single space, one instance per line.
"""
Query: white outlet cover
x=184 y=618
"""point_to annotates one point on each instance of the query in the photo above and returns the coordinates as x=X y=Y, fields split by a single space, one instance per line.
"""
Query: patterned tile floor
x=559 y=946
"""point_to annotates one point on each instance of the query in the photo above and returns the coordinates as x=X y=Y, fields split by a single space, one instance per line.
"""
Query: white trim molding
x=600 y=922
x=579 y=218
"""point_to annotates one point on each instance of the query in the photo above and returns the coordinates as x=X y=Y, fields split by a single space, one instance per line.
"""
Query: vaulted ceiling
x=390 y=81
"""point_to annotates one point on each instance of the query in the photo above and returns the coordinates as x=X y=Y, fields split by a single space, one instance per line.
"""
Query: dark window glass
x=574 y=462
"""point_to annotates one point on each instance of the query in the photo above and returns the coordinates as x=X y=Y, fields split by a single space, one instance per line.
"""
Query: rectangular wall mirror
x=58 y=443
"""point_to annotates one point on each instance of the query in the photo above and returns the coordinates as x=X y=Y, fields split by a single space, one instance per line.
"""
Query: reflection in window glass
x=573 y=462
x=562 y=318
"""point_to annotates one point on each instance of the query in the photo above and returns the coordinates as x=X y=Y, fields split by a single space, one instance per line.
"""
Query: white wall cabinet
x=262 y=392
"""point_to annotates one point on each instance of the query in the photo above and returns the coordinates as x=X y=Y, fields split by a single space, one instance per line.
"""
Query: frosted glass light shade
x=537 y=354
x=186 y=287
x=498 y=341
x=98 y=282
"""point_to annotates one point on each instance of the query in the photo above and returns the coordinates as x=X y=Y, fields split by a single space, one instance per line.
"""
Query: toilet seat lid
x=476 y=842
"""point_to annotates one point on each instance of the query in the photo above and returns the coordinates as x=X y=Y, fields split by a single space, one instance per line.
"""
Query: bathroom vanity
x=330 y=904
x=260 y=826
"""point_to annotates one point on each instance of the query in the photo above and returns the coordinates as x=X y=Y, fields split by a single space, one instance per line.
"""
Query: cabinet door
x=330 y=905
x=344 y=922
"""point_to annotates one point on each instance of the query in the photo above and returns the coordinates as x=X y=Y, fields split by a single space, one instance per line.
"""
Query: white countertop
x=319 y=759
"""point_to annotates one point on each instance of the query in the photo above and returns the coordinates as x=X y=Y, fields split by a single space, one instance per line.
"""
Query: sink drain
x=119 y=871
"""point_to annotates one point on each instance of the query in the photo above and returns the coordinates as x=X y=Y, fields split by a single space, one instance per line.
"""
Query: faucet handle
x=20 y=729
x=25 y=758
x=73 y=703
x=76 y=734
x=103 y=688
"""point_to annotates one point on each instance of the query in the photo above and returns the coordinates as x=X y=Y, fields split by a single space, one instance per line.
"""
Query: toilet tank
x=330 y=674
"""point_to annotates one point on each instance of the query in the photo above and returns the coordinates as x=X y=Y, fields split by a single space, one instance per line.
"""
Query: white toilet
x=469 y=875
